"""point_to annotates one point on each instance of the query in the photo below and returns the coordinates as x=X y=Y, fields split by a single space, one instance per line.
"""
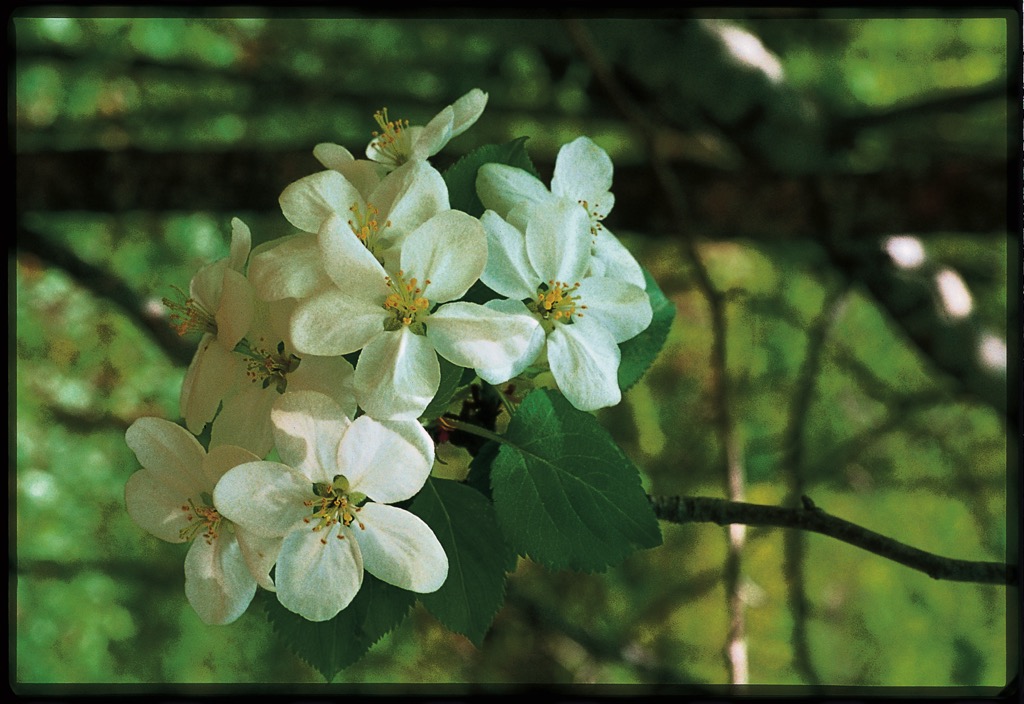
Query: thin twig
x=808 y=517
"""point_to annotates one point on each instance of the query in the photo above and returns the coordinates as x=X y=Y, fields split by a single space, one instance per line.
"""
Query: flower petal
x=210 y=376
x=389 y=461
x=475 y=336
x=217 y=580
x=584 y=360
x=333 y=156
x=308 y=426
x=502 y=187
x=558 y=241
x=467 y=110
x=244 y=419
x=407 y=198
x=223 y=458
x=397 y=375
x=241 y=245
x=399 y=548
x=500 y=373
x=236 y=309
x=332 y=323
x=332 y=376
x=621 y=308
x=154 y=501
x=318 y=573
x=292 y=269
x=170 y=451
x=583 y=171
x=611 y=258
x=508 y=269
x=308 y=202
x=434 y=135
x=264 y=498
x=348 y=262
x=260 y=554
x=449 y=251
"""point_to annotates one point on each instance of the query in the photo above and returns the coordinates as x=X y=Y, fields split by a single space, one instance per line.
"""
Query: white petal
x=449 y=250
x=236 y=309
x=621 y=308
x=389 y=461
x=481 y=337
x=348 y=262
x=264 y=498
x=467 y=110
x=210 y=376
x=583 y=171
x=260 y=553
x=407 y=198
x=308 y=202
x=170 y=451
x=244 y=419
x=499 y=374
x=584 y=360
x=397 y=375
x=318 y=574
x=241 y=244
x=508 y=269
x=155 y=500
x=292 y=269
x=332 y=323
x=502 y=187
x=333 y=376
x=223 y=458
x=400 y=549
x=205 y=285
x=333 y=156
x=558 y=241
x=432 y=138
x=611 y=258
x=308 y=426
x=217 y=580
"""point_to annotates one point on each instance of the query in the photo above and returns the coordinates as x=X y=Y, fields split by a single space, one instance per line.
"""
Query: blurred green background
x=804 y=141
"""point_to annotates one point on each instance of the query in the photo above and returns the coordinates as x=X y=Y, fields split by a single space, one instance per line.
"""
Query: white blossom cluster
x=380 y=267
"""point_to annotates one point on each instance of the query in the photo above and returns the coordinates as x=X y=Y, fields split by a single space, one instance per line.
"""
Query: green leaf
x=451 y=380
x=461 y=176
x=480 y=468
x=566 y=495
x=640 y=352
x=330 y=646
x=464 y=521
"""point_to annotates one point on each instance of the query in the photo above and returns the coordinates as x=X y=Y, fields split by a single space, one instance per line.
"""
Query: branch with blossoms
x=409 y=310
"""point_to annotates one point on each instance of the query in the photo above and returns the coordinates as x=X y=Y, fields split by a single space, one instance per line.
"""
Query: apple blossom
x=170 y=497
x=328 y=503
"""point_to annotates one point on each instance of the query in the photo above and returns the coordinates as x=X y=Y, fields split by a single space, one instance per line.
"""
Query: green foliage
x=565 y=494
x=451 y=380
x=464 y=521
x=639 y=353
x=330 y=646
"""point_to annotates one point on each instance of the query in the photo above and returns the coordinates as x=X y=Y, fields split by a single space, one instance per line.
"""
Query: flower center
x=189 y=316
x=334 y=503
x=595 y=216
x=202 y=519
x=365 y=225
x=557 y=300
x=406 y=304
x=393 y=139
x=266 y=367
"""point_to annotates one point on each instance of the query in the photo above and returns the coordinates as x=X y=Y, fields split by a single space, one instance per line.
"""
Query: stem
x=454 y=424
x=702 y=509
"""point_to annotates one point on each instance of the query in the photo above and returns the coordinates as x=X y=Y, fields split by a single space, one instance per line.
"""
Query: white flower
x=245 y=359
x=397 y=143
x=583 y=175
x=221 y=305
x=379 y=213
x=402 y=320
x=539 y=259
x=170 y=498
x=328 y=502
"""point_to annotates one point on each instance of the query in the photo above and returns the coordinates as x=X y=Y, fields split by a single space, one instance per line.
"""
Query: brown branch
x=701 y=509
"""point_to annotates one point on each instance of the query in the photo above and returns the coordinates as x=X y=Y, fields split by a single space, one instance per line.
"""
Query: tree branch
x=702 y=509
